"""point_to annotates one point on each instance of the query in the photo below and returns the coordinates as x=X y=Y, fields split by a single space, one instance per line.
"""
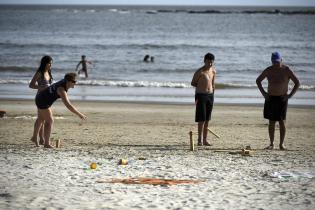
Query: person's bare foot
x=48 y=146
x=41 y=141
x=281 y=147
x=270 y=147
x=34 y=140
x=199 y=143
x=205 y=143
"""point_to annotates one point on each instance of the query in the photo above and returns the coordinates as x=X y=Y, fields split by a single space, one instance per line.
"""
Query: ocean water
x=116 y=38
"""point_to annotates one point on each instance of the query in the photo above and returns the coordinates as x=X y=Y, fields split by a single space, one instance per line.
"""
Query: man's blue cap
x=275 y=57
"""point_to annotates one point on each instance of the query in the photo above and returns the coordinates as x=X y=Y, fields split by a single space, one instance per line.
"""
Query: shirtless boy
x=276 y=97
x=203 y=81
x=84 y=63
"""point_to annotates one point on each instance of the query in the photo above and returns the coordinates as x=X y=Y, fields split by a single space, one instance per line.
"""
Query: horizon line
x=171 y=5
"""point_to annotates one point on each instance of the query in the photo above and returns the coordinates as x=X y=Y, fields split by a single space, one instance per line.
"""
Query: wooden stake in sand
x=191 y=142
x=123 y=162
x=216 y=135
x=58 y=143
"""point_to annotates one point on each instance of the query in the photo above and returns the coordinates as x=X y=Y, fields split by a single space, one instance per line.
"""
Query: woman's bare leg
x=41 y=134
x=37 y=126
x=48 y=118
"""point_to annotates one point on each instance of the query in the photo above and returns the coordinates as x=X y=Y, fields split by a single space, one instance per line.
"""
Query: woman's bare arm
x=64 y=97
x=33 y=84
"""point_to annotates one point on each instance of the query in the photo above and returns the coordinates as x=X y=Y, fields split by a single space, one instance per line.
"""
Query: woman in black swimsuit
x=47 y=97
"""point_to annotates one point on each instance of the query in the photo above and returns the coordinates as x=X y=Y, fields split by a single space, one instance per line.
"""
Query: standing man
x=84 y=63
x=203 y=81
x=276 y=98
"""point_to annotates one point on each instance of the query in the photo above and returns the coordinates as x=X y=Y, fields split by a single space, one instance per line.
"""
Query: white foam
x=134 y=83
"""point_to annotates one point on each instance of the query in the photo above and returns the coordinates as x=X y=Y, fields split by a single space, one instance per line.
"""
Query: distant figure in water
x=84 y=63
x=146 y=58
x=276 y=96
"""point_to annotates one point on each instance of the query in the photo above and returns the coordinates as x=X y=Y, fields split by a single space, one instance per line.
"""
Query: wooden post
x=192 y=146
x=123 y=162
x=58 y=143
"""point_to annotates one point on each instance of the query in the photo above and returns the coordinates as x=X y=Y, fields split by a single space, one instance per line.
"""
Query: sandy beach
x=154 y=139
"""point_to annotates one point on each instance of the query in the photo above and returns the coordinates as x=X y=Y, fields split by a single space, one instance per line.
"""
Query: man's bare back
x=278 y=79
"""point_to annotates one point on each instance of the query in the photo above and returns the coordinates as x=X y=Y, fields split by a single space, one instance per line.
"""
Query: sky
x=170 y=2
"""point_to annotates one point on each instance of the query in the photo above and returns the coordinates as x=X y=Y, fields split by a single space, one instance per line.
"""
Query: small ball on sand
x=93 y=165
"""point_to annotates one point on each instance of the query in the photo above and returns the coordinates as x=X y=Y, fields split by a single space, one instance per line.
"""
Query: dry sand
x=38 y=178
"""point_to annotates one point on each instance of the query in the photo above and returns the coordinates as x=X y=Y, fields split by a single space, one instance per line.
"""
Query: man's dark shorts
x=275 y=108
x=204 y=105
